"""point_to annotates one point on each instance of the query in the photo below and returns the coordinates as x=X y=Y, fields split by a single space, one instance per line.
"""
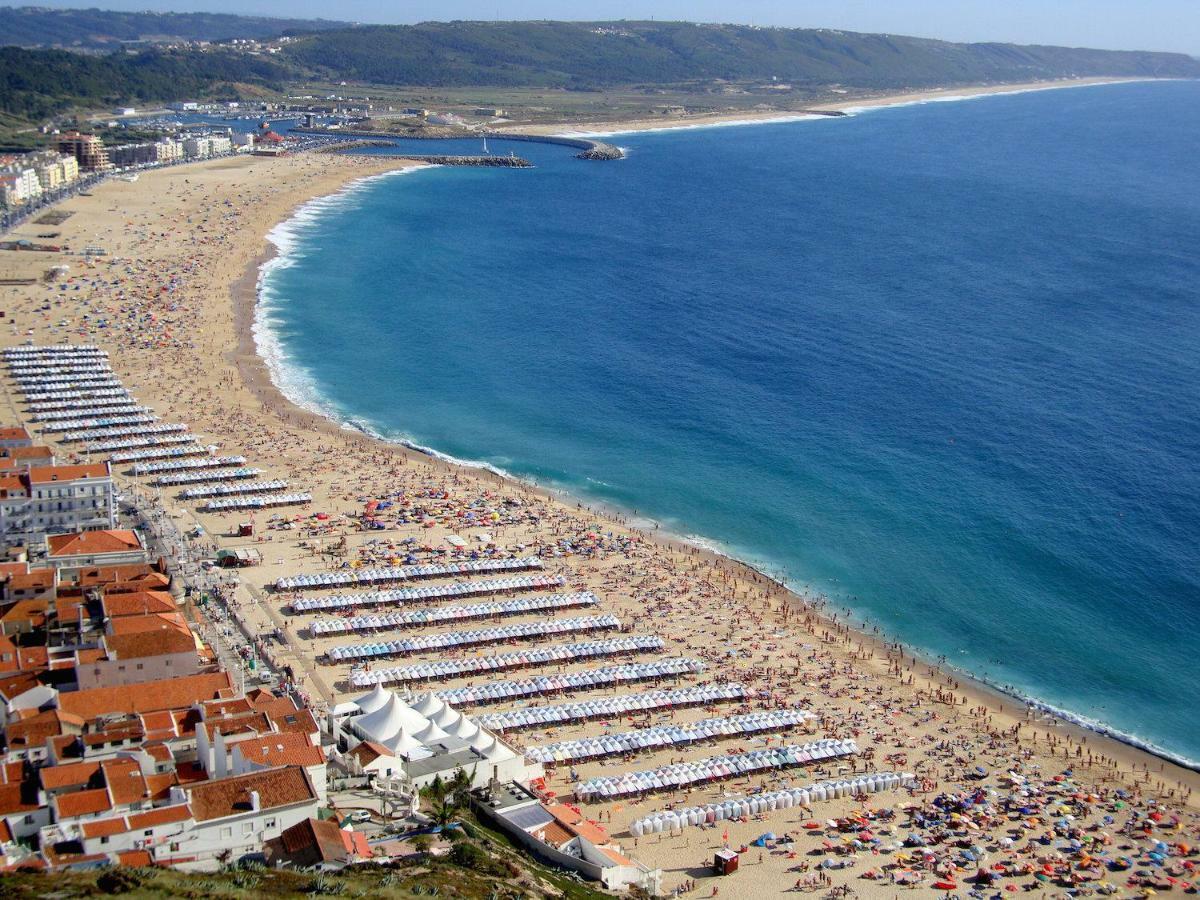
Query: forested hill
x=574 y=54
x=39 y=26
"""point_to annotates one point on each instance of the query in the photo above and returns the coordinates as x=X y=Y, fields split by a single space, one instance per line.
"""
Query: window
x=226 y=833
x=270 y=823
x=104 y=839
x=247 y=828
x=140 y=666
x=149 y=832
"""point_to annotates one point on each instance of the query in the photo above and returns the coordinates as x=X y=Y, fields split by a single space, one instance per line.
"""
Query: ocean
x=938 y=362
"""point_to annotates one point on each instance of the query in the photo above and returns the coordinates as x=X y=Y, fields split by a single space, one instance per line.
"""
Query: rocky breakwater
x=503 y=162
x=588 y=148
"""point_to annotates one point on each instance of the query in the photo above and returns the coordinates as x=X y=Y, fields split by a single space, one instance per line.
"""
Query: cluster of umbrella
x=139 y=442
x=666 y=736
x=257 y=502
x=183 y=465
x=613 y=707
x=63 y=424
x=742 y=807
x=451 y=639
x=132 y=431
x=220 y=490
x=92 y=408
x=541 y=685
x=714 y=768
x=161 y=452
x=419 y=617
x=205 y=475
x=400 y=596
x=65 y=396
x=401 y=573
x=535 y=656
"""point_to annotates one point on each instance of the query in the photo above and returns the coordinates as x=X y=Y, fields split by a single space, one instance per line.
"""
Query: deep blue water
x=941 y=362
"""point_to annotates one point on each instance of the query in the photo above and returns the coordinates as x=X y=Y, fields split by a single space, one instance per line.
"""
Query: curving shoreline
x=981 y=690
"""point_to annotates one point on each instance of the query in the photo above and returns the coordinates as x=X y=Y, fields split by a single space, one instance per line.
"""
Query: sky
x=1107 y=24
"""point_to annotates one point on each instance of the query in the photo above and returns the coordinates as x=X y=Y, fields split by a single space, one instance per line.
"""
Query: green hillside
x=39 y=26
x=572 y=54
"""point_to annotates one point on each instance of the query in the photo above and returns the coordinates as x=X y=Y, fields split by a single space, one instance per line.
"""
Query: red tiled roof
x=369 y=751
x=137 y=603
x=321 y=835
x=68 y=774
x=149 y=696
x=163 y=815
x=230 y=796
x=89 y=543
x=18 y=798
x=104 y=827
x=136 y=858
x=281 y=750
x=148 y=643
x=47 y=474
x=82 y=803
x=14 y=433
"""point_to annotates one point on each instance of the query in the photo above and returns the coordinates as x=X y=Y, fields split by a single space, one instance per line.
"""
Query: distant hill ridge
x=598 y=54
x=40 y=26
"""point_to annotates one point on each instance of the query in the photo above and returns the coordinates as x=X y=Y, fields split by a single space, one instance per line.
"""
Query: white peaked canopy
x=496 y=752
x=484 y=743
x=378 y=698
x=431 y=734
x=429 y=705
x=382 y=723
x=465 y=729
x=447 y=718
x=402 y=744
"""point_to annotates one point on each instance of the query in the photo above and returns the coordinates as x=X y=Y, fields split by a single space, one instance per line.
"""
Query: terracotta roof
x=89 y=543
x=149 y=696
x=88 y=655
x=231 y=796
x=12 y=486
x=14 y=433
x=13 y=568
x=357 y=844
x=555 y=835
x=68 y=775
x=104 y=827
x=14 y=685
x=82 y=803
x=17 y=454
x=148 y=643
x=164 y=815
x=6 y=835
x=12 y=772
x=18 y=798
x=42 y=577
x=369 y=751
x=138 y=575
x=125 y=782
x=153 y=622
x=281 y=750
x=31 y=611
x=322 y=835
x=578 y=824
x=137 y=603
x=136 y=858
x=34 y=730
x=48 y=474
x=158 y=787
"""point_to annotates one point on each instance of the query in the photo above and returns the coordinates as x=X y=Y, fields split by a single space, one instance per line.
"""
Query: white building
x=46 y=500
x=426 y=739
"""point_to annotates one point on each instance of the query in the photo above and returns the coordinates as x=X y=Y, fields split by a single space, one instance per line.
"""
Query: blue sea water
x=940 y=362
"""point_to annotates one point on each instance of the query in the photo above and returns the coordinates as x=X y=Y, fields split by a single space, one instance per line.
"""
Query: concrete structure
x=427 y=738
x=85 y=549
x=48 y=500
x=87 y=149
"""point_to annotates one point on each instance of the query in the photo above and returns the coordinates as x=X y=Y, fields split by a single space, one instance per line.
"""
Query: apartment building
x=46 y=500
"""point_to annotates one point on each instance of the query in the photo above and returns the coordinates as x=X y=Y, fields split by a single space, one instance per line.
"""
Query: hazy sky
x=1117 y=24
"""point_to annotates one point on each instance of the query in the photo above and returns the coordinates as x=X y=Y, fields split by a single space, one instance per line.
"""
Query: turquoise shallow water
x=939 y=362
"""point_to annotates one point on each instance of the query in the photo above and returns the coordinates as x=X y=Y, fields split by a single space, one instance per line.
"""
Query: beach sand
x=175 y=296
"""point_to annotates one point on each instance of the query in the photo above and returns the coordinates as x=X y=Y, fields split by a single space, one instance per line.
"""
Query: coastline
x=851 y=106
x=257 y=375
x=212 y=376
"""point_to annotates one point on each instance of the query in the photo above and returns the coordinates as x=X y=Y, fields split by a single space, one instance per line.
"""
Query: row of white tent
x=68 y=383
x=77 y=405
x=570 y=682
x=400 y=573
x=137 y=443
x=131 y=431
x=534 y=656
x=714 y=768
x=160 y=452
x=137 y=418
x=614 y=707
x=202 y=476
x=670 y=735
x=62 y=396
x=33 y=372
x=181 y=465
x=26 y=351
x=744 y=807
x=436 y=615
x=251 y=487
x=398 y=596
x=127 y=408
x=260 y=501
x=496 y=635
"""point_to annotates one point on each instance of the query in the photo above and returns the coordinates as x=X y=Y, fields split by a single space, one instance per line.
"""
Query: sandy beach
x=173 y=302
